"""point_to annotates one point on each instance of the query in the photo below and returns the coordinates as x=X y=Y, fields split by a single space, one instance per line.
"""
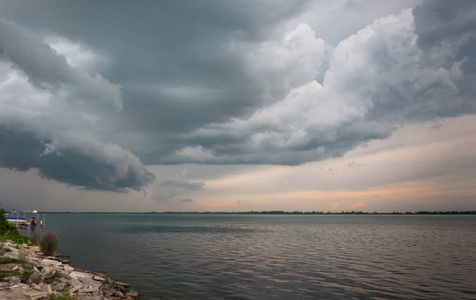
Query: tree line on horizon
x=280 y=212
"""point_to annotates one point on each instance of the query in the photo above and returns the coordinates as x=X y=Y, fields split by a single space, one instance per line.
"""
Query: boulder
x=133 y=294
x=47 y=288
x=50 y=262
x=35 y=295
x=80 y=275
x=122 y=286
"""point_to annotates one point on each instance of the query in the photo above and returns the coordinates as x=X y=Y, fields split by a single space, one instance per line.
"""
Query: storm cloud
x=48 y=112
x=89 y=91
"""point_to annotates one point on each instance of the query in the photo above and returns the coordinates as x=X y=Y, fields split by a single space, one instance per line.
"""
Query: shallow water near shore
x=199 y=256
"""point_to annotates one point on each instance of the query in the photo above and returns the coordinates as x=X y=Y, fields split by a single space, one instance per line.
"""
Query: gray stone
x=35 y=295
x=133 y=294
x=59 y=287
x=68 y=268
x=87 y=289
x=75 y=288
x=80 y=275
x=48 y=289
x=50 y=262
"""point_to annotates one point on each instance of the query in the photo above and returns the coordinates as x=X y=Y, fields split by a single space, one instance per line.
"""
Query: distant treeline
x=282 y=212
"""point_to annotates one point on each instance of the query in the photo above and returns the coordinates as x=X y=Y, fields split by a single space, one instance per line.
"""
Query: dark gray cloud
x=440 y=23
x=48 y=110
x=217 y=82
x=22 y=151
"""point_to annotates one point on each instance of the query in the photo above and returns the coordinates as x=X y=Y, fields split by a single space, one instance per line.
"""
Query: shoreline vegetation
x=30 y=268
x=276 y=212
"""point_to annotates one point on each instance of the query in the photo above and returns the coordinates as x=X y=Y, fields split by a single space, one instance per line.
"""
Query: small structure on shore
x=22 y=219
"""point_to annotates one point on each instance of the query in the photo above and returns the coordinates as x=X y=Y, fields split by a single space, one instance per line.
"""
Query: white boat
x=17 y=220
x=22 y=219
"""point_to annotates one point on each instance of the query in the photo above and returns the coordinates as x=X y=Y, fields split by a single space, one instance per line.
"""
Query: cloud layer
x=87 y=92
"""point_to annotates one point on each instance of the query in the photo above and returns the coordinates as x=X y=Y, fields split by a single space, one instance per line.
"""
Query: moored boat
x=17 y=221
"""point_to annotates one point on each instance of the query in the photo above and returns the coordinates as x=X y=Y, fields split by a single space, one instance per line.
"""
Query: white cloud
x=376 y=79
x=77 y=55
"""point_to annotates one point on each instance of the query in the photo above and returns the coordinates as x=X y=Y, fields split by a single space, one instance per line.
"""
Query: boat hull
x=16 y=221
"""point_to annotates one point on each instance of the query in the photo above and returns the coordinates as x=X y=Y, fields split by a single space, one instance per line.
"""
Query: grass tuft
x=49 y=244
x=63 y=296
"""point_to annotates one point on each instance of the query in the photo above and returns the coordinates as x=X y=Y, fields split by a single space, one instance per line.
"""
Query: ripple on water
x=277 y=257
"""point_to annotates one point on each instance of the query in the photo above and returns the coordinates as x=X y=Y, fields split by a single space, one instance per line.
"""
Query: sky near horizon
x=238 y=105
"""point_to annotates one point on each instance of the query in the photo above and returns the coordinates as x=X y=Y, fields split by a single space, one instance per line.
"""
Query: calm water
x=276 y=257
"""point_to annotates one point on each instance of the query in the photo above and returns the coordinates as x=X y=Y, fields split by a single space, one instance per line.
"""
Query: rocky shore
x=26 y=274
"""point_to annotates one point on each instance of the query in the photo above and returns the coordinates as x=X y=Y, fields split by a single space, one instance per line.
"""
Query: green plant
x=10 y=232
x=63 y=296
x=7 y=260
x=3 y=239
x=35 y=238
x=23 y=256
x=7 y=273
x=52 y=276
x=25 y=275
x=49 y=244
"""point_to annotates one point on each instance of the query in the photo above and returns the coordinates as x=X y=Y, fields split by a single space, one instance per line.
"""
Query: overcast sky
x=238 y=105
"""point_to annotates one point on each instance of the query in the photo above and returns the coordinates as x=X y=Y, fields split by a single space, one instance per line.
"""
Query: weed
x=7 y=260
x=23 y=256
x=35 y=238
x=50 y=277
x=25 y=276
x=49 y=244
x=3 y=238
x=7 y=273
x=63 y=296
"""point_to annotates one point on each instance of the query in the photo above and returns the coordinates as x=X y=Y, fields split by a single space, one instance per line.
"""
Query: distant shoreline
x=473 y=212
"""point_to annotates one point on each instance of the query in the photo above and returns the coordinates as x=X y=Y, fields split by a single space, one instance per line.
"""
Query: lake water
x=173 y=256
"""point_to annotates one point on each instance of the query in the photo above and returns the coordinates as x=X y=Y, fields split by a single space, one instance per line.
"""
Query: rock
x=35 y=295
x=48 y=269
x=50 y=262
x=99 y=274
x=60 y=286
x=133 y=294
x=88 y=289
x=83 y=284
x=78 y=275
x=48 y=289
x=68 y=268
x=75 y=288
x=121 y=286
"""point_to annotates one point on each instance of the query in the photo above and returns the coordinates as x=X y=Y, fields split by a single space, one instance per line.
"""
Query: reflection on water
x=276 y=257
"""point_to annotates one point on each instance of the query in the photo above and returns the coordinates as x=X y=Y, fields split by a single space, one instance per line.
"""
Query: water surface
x=174 y=256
